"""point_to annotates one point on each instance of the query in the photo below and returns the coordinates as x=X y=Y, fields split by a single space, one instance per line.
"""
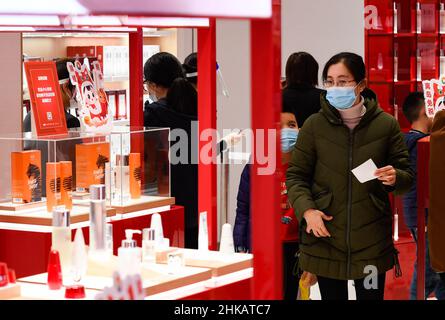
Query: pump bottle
x=129 y=255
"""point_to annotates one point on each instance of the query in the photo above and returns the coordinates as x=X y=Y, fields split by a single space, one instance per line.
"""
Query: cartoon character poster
x=434 y=93
x=94 y=112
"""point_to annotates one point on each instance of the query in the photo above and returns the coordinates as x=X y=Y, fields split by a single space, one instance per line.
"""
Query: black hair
x=412 y=105
x=165 y=70
x=353 y=62
x=301 y=68
x=62 y=71
x=369 y=94
x=190 y=65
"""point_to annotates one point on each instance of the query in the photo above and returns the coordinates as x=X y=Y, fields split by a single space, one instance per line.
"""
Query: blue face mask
x=341 y=97
x=288 y=139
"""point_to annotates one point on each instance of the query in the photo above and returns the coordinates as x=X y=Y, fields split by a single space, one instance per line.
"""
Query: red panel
x=207 y=197
x=423 y=159
x=136 y=78
x=265 y=189
x=236 y=291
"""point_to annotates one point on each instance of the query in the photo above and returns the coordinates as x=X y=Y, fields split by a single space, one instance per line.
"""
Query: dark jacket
x=320 y=177
x=184 y=176
x=303 y=100
x=241 y=230
x=410 y=198
x=436 y=219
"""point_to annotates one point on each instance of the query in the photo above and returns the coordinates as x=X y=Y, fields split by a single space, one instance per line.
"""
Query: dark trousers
x=333 y=289
x=442 y=276
x=290 y=280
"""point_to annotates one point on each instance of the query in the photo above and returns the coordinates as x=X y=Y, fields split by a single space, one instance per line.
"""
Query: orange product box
x=26 y=180
x=66 y=179
x=53 y=184
x=90 y=164
x=135 y=175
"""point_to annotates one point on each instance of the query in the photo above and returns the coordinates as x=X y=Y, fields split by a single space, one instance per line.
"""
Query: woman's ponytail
x=182 y=97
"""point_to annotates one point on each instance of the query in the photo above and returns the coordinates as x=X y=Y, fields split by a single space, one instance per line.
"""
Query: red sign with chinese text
x=434 y=93
x=46 y=99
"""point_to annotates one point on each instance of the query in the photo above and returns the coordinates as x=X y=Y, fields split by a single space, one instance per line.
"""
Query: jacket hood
x=334 y=117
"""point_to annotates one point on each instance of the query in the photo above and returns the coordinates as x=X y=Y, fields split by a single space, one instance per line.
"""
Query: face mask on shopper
x=341 y=97
x=153 y=97
x=288 y=139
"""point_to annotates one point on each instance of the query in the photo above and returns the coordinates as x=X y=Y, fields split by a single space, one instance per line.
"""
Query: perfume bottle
x=396 y=65
x=419 y=64
x=442 y=18
x=122 y=178
x=419 y=18
x=395 y=23
x=61 y=237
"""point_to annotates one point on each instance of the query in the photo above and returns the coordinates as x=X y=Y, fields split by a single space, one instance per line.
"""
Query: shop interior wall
x=11 y=99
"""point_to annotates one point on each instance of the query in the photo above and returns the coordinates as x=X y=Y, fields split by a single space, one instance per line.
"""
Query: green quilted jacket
x=319 y=177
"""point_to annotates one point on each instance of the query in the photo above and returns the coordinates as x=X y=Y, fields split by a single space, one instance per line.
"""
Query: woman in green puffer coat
x=345 y=225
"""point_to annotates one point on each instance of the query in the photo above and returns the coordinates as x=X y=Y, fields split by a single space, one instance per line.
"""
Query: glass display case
x=39 y=174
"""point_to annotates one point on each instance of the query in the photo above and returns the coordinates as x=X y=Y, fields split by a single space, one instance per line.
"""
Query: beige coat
x=436 y=218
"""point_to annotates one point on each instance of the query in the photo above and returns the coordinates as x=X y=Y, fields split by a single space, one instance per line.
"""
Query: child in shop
x=289 y=223
x=414 y=111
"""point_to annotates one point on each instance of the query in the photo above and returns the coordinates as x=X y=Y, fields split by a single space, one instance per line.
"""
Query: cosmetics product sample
x=226 y=244
x=109 y=239
x=26 y=181
x=11 y=276
x=396 y=65
x=109 y=182
x=129 y=255
x=76 y=291
x=380 y=61
x=203 y=235
x=79 y=258
x=175 y=261
x=98 y=214
x=148 y=246
x=54 y=271
x=122 y=178
x=135 y=175
x=66 y=178
x=53 y=185
x=419 y=18
x=90 y=164
x=61 y=237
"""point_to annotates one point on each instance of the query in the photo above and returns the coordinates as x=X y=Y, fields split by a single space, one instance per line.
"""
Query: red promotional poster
x=434 y=92
x=46 y=99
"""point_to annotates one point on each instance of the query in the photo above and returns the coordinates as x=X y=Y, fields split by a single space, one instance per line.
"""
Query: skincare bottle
x=148 y=246
x=396 y=66
x=419 y=18
x=380 y=61
x=79 y=258
x=203 y=236
x=442 y=62
x=135 y=175
x=129 y=255
x=442 y=18
x=98 y=214
x=122 y=179
x=395 y=23
x=156 y=224
x=55 y=279
x=419 y=64
x=226 y=244
x=109 y=239
x=61 y=237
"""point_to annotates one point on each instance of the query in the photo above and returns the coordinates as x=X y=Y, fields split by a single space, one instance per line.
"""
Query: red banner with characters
x=434 y=92
x=46 y=99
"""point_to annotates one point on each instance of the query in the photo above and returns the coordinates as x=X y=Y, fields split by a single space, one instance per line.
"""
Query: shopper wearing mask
x=289 y=224
x=346 y=226
x=300 y=93
x=415 y=112
x=175 y=107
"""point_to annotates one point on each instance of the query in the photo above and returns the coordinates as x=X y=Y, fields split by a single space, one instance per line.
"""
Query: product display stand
x=11 y=291
x=143 y=203
x=10 y=206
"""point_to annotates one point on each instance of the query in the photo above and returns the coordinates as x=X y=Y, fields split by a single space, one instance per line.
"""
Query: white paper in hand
x=365 y=172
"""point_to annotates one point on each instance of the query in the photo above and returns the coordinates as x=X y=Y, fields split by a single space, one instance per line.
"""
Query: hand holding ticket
x=368 y=171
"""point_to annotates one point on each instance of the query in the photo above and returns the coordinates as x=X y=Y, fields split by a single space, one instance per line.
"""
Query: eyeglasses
x=341 y=83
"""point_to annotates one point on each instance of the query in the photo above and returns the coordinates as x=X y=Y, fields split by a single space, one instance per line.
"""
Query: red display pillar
x=265 y=188
x=136 y=42
x=207 y=120
x=423 y=187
